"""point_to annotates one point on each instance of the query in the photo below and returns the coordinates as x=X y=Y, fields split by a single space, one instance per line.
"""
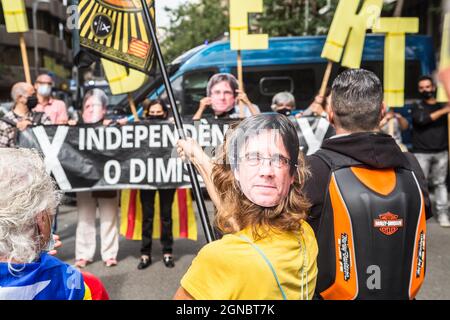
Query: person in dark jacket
x=156 y=110
x=369 y=200
x=430 y=143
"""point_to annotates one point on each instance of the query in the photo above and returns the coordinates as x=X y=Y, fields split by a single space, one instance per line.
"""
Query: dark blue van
x=289 y=64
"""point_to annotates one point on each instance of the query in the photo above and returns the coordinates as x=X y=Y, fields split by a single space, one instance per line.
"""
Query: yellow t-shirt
x=231 y=269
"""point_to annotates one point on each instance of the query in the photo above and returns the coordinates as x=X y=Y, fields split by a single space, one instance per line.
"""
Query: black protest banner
x=136 y=156
x=139 y=156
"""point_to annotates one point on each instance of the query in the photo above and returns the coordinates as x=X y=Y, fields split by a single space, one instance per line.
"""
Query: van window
x=270 y=86
x=262 y=83
x=177 y=92
x=194 y=85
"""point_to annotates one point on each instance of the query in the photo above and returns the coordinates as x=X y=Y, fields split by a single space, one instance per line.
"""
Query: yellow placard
x=348 y=30
x=394 y=56
x=445 y=57
x=121 y=79
x=15 y=15
x=239 y=37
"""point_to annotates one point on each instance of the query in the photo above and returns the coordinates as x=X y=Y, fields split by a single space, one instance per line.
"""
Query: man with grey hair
x=366 y=194
x=284 y=103
x=224 y=97
x=21 y=116
x=28 y=200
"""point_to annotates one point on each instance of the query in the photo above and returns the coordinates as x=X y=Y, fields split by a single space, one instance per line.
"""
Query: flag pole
x=241 y=82
x=26 y=65
x=179 y=124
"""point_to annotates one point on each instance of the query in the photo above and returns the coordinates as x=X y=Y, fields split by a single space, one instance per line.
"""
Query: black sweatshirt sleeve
x=315 y=188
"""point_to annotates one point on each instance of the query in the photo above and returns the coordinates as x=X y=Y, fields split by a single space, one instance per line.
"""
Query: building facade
x=52 y=39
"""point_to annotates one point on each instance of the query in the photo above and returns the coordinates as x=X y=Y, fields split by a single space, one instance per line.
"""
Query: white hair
x=26 y=190
x=19 y=89
x=283 y=98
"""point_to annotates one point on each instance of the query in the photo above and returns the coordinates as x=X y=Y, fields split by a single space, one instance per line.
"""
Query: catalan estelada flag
x=184 y=224
x=48 y=278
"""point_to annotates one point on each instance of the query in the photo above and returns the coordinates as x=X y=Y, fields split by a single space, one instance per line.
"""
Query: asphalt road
x=158 y=282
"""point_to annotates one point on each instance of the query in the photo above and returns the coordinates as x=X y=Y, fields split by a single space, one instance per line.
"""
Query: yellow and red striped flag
x=184 y=224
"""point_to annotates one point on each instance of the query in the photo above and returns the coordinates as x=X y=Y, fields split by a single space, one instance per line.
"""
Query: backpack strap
x=261 y=253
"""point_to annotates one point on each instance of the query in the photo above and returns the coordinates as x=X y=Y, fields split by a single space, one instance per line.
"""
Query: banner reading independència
x=139 y=156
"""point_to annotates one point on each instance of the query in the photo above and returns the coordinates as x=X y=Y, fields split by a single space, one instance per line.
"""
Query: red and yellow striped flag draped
x=184 y=224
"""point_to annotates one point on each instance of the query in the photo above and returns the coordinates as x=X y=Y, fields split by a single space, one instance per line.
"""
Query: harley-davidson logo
x=388 y=223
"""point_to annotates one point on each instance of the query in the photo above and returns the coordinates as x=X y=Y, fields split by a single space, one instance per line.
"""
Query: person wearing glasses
x=224 y=97
x=55 y=109
x=268 y=251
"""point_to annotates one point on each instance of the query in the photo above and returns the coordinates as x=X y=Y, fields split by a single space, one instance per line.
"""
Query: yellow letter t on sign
x=394 y=56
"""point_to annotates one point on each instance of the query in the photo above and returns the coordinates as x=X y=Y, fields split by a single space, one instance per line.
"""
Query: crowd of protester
x=279 y=212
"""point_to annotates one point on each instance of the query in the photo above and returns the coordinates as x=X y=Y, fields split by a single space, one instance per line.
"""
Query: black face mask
x=156 y=117
x=428 y=94
x=32 y=102
x=285 y=111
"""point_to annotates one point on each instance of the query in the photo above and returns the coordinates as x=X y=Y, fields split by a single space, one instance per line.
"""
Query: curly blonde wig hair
x=237 y=211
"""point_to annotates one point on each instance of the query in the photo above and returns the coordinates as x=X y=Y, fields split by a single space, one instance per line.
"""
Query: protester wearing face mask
x=55 y=109
x=268 y=251
x=156 y=110
x=21 y=116
x=430 y=143
x=283 y=103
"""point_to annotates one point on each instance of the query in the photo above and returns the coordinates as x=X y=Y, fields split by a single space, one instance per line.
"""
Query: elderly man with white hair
x=28 y=199
x=21 y=116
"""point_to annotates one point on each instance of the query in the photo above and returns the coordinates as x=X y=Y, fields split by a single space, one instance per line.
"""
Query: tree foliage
x=201 y=21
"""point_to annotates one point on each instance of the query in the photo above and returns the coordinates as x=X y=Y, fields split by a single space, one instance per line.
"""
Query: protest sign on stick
x=239 y=37
x=16 y=22
x=394 y=56
x=345 y=39
x=124 y=80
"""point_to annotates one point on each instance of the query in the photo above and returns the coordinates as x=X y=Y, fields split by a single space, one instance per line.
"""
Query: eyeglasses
x=255 y=159
x=217 y=93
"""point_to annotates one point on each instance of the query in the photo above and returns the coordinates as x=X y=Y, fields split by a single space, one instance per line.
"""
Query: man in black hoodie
x=369 y=201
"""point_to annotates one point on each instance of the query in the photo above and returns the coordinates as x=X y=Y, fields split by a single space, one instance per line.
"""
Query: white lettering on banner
x=155 y=170
x=112 y=179
x=313 y=139
x=127 y=137
x=135 y=166
x=51 y=151
x=113 y=133
x=169 y=135
x=153 y=136
x=94 y=138
x=141 y=134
